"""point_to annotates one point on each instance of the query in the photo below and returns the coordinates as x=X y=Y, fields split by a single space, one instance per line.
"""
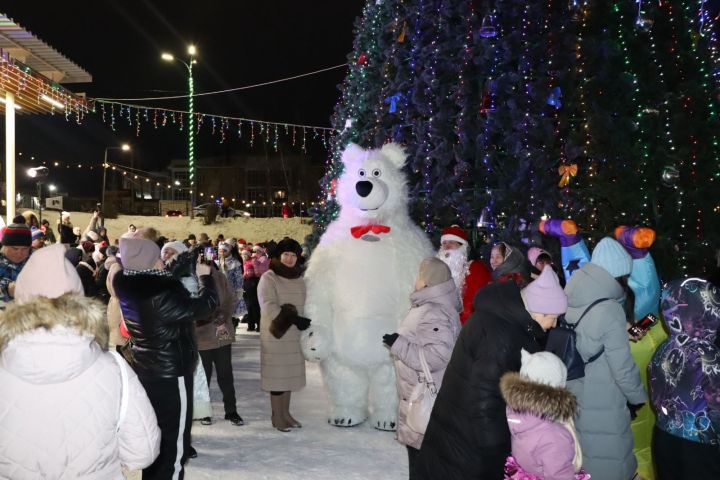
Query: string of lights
x=489 y=98
x=467 y=110
x=227 y=90
x=156 y=117
x=640 y=116
x=38 y=93
x=387 y=100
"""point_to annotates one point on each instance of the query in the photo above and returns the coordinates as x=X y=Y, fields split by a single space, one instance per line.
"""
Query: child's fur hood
x=70 y=310
x=526 y=396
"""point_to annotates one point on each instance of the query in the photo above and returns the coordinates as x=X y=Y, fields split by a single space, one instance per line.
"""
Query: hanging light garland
x=138 y=114
x=37 y=94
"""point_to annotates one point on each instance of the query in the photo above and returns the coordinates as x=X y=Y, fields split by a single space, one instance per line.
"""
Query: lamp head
x=167 y=57
x=192 y=50
x=125 y=147
x=37 y=172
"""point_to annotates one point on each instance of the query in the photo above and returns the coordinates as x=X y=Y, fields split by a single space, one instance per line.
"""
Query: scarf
x=151 y=271
x=284 y=271
x=514 y=263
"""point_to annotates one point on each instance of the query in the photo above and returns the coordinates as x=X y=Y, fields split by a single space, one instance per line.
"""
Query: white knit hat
x=179 y=247
x=543 y=367
x=612 y=257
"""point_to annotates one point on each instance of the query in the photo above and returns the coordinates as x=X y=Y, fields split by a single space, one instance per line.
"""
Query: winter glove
x=283 y=321
x=633 y=409
x=389 y=339
x=302 y=323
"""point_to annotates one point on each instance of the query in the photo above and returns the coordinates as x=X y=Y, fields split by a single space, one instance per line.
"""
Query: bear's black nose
x=363 y=188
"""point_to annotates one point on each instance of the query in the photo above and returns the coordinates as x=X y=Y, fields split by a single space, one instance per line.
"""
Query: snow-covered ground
x=317 y=451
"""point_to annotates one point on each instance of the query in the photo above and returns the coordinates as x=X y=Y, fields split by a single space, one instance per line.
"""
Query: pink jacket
x=260 y=263
x=432 y=324
x=541 y=445
x=59 y=409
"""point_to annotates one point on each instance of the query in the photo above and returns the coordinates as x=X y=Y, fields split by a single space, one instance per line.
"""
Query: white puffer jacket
x=59 y=408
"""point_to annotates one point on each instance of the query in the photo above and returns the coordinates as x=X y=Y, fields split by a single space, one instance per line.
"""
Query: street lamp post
x=125 y=147
x=38 y=173
x=192 y=52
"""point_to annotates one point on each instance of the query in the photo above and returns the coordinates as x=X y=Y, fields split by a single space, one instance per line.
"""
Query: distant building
x=257 y=183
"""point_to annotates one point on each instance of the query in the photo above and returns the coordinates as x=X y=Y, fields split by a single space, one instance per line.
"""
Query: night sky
x=239 y=42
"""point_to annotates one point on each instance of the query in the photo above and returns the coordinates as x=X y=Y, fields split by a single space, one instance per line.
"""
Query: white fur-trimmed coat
x=60 y=399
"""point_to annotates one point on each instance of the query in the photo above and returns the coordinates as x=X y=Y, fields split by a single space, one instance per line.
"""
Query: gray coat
x=432 y=324
x=603 y=423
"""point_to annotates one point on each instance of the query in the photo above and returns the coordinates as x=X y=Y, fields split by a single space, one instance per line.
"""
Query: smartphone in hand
x=643 y=325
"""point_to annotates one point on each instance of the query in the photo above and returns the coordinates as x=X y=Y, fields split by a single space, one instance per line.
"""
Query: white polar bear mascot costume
x=359 y=279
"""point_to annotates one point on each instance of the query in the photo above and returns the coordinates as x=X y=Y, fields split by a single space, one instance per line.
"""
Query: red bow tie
x=361 y=230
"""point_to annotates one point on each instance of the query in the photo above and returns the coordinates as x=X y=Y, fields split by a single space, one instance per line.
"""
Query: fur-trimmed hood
x=52 y=340
x=549 y=403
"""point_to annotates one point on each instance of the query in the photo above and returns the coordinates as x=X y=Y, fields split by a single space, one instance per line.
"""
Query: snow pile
x=317 y=451
x=251 y=229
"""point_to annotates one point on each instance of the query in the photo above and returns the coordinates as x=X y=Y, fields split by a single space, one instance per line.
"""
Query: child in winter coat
x=539 y=414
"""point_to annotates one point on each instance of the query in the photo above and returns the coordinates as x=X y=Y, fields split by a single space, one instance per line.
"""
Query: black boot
x=235 y=419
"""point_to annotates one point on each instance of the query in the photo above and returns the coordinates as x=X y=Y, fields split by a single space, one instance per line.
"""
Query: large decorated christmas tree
x=510 y=110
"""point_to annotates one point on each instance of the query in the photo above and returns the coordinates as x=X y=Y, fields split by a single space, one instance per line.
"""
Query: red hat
x=454 y=233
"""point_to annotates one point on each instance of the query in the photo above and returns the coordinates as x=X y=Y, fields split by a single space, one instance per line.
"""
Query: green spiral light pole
x=192 y=51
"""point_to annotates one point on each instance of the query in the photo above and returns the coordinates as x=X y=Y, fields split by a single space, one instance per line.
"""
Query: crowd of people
x=124 y=337
x=168 y=309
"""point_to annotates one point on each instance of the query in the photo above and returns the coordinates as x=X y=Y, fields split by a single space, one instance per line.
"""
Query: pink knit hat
x=47 y=274
x=545 y=295
x=534 y=253
x=138 y=253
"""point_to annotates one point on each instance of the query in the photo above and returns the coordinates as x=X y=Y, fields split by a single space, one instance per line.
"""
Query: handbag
x=422 y=399
x=124 y=391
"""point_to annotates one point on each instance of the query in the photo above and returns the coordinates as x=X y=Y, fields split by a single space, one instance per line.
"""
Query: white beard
x=456 y=260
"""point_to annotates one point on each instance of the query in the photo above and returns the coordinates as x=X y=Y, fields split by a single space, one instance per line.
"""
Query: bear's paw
x=316 y=343
x=386 y=422
x=346 y=417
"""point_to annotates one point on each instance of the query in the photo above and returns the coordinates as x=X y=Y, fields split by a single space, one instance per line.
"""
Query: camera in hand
x=211 y=254
x=643 y=325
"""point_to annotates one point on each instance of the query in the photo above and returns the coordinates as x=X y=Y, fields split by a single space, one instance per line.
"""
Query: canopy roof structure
x=32 y=71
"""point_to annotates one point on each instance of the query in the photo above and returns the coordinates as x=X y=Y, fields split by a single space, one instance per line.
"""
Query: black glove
x=301 y=323
x=633 y=409
x=389 y=339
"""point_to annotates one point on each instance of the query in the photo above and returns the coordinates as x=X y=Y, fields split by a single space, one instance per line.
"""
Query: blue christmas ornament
x=487 y=28
x=554 y=97
x=393 y=101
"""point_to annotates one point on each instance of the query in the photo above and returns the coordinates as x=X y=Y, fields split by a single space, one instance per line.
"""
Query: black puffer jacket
x=468 y=428
x=159 y=314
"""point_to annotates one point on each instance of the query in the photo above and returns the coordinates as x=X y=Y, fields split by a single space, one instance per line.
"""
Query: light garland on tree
x=462 y=168
x=488 y=89
x=639 y=115
x=426 y=142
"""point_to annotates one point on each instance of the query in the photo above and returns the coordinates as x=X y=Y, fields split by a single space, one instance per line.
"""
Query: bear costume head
x=373 y=187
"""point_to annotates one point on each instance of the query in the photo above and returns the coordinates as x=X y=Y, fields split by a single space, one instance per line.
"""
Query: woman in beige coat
x=281 y=293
